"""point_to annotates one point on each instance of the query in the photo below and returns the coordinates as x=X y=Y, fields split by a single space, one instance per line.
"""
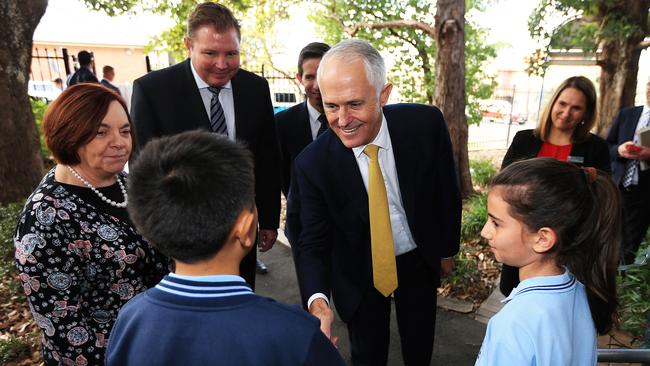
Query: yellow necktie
x=384 y=269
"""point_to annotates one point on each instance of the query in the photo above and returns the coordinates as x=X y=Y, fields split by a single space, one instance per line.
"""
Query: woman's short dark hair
x=73 y=119
x=212 y=14
x=581 y=132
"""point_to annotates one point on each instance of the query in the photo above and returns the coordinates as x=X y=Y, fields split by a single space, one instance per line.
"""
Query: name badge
x=576 y=159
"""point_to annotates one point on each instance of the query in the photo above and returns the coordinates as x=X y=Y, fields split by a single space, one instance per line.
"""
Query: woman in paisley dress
x=78 y=255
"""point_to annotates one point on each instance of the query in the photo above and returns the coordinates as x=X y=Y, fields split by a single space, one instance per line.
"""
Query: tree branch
x=394 y=24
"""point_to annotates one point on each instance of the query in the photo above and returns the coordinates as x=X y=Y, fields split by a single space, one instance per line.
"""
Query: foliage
x=8 y=220
x=411 y=48
x=474 y=216
x=257 y=19
x=634 y=295
x=12 y=349
x=38 y=108
x=482 y=171
x=584 y=25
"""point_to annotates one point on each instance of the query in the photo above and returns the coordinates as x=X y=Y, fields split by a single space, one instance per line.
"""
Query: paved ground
x=458 y=336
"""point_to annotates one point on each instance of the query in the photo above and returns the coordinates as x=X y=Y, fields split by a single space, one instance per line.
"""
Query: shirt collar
x=558 y=283
x=202 y=84
x=382 y=139
x=209 y=278
x=313 y=113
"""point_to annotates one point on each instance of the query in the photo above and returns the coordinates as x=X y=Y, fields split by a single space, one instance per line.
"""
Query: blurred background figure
x=630 y=163
x=85 y=73
x=108 y=74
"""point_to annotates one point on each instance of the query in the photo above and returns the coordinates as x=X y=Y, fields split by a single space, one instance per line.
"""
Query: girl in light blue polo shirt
x=560 y=225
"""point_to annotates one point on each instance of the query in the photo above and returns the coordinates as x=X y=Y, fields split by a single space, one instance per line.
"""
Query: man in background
x=85 y=73
x=108 y=74
x=297 y=127
x=210 y=91
x=630 y=170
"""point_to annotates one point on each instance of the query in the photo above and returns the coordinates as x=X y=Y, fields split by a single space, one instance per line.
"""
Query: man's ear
x=385 y=93
x=299 y=77
x=545 y=240
x=188 y=44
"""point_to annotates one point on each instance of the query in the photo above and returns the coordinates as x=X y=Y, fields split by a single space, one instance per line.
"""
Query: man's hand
x=446 y=266
x=320 y=309
x=631 y=151
x=267 y=239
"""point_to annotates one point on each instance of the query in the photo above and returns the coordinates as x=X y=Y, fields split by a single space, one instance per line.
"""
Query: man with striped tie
x=210 y=91
x=630 y=170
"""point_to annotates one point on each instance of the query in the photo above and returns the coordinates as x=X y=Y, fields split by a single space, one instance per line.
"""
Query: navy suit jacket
x=168 y=102
x=335 y=240
x=622 y=130
x=294 y=133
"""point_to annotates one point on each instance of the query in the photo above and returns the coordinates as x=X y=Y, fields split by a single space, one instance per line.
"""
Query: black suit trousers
x=636 y=215
x=415 y=307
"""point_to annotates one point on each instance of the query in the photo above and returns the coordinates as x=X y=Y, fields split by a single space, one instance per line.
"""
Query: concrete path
x=458 y=336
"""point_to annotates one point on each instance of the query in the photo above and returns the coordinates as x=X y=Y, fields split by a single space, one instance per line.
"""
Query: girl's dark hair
x=584 y=212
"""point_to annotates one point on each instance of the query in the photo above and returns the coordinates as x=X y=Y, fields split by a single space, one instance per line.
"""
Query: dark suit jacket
x=83 y=75
x=110 y=85
x=593 y=152
x=622 y=130
x=335 y=241
x=294 y=134
x=167 y=102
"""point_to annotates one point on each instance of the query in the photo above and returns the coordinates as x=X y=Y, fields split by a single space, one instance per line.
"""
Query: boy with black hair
x=205 y=313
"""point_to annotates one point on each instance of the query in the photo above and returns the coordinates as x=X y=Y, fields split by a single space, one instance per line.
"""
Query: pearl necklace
x=104 y=198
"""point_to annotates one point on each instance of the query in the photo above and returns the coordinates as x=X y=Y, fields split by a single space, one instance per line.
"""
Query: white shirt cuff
x=315 y=296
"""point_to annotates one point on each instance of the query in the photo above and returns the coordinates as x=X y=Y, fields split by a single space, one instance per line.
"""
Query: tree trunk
x=450 y=82
x=620 y=66
x=21 y=166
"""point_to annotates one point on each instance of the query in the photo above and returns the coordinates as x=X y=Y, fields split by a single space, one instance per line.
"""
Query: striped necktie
x=384 y=267
x=217 y=117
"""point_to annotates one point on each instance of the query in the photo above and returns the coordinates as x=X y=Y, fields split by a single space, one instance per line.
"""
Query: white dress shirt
x=643 y=121
x=314 y=123
x=225 y=98
x=402 y=237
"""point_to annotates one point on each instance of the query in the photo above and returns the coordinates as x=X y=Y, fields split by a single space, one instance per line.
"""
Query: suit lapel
x=193 y=97
x=630 y=126
x=347 y=178
x=303 y=130
x=238 y=101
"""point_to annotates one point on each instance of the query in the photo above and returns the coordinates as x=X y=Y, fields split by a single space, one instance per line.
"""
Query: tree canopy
x=613 y=31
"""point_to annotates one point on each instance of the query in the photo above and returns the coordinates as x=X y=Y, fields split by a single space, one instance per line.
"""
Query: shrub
x=482 y=171
x=12 y=349
x=474 y=216
x=634 y=295
x=38 y=108
x=8 y=220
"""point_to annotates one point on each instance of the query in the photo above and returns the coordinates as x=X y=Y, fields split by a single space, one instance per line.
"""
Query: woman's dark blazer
x=592 y=152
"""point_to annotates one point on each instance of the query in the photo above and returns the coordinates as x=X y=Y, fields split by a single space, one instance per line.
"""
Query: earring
x=582 y=123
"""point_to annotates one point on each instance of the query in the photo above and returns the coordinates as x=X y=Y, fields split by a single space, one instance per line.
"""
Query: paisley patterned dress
x=80 y=260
